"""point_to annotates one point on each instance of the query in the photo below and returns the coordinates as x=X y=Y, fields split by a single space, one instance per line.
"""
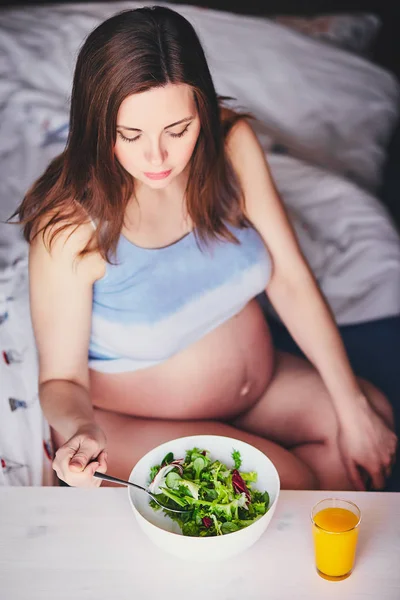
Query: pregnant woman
x=150 y=237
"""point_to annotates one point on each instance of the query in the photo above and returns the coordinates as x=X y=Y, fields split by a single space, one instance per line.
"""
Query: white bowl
x=166 y=534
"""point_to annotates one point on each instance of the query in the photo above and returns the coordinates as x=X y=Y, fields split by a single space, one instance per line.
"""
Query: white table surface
x=75 y=544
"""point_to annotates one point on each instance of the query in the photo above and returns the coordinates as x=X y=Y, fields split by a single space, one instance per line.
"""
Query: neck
x=167 y=206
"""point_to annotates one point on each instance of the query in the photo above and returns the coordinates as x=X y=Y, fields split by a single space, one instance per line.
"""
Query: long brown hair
x=132 y=52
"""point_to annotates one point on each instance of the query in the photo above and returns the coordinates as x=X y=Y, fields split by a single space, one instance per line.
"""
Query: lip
x=161 y=175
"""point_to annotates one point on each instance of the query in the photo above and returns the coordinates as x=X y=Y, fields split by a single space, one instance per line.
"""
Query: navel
x=245 y=389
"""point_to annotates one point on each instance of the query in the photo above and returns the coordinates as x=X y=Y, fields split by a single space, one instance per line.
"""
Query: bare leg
x=297 y=412
x=129 y=438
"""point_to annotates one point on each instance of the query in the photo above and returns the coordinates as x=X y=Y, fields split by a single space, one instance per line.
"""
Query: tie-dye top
x=153 y=303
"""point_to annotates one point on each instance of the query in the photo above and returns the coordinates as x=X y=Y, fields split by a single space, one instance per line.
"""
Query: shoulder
x=249 y=164
x=61 y=242
x=242 y=143
x=261 y=200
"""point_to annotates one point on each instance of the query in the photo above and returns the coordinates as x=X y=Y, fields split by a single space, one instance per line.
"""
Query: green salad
x=216 y=499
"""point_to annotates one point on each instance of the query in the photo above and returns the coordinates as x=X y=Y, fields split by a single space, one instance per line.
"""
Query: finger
x=378 y=477
x=87 y=451
x=384 y=475
x=355 y=477
x=56 y=469
x=394 y=451
x=80 y=459
x=392 y=445
x=102 y=468
x=387 y=463
x=64 y=455
x=78 y=462
x=388 y=467
x=89 y=472
x=57 y=465
x=102 y=460
x=92 y=467
x=83 y=479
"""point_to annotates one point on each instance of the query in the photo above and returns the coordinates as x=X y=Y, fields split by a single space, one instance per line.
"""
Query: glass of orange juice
x=335 y=525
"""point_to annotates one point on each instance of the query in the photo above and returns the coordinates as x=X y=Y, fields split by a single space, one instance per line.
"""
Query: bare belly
x=218 y=377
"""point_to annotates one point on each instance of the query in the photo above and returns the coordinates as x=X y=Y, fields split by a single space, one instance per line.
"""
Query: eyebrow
x=167 y=127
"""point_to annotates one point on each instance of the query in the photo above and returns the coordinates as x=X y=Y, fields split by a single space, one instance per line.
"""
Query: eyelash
x=135 y=139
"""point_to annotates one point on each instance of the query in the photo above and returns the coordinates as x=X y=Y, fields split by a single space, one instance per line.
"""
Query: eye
x=126 y=139
x=182 y=133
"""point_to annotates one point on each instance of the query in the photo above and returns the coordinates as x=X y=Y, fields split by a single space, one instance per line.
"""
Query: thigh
x=297 y=408
x=129 y=438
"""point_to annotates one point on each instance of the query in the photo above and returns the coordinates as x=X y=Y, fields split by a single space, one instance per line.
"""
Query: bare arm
x=66 y=405
x=366 y=440
x=292 y=289
x=61 y=299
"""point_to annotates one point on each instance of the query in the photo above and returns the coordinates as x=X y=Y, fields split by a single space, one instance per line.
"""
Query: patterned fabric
x=25 y=445
x=155 y=302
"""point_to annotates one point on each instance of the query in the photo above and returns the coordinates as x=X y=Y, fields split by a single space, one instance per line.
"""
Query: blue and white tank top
x=153 y=303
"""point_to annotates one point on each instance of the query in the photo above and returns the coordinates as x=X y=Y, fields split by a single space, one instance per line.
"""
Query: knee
x=379 y=402
x=301 y=478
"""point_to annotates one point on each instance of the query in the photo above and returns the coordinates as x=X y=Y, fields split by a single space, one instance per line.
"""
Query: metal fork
x=139 y=487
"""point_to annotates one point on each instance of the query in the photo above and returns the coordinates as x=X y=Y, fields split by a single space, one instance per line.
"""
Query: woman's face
x=157 y=131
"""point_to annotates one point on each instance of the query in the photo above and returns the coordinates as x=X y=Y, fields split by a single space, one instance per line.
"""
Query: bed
x=325 y=115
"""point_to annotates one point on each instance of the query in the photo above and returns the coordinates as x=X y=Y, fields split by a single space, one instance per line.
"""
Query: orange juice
x=335 y=535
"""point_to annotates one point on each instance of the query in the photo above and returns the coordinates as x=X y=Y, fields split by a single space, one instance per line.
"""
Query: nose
x=156 y=154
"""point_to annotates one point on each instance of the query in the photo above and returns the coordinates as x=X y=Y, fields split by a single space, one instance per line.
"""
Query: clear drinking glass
x=335 y=525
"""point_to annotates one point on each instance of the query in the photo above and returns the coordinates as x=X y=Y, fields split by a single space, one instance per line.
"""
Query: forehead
x=157 y=108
